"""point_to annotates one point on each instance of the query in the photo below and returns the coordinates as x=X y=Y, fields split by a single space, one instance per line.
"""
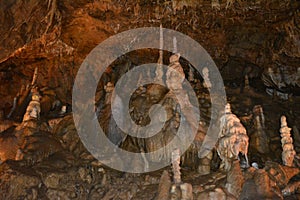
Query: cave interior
x=241 y=106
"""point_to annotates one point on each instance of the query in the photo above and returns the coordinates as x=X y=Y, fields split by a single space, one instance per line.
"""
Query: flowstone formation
x=233 y=139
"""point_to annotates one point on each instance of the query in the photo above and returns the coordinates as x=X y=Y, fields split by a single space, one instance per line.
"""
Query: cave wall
x=57 y=35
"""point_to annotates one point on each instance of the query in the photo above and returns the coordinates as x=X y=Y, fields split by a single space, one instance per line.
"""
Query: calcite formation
x=179 y=190
x=259 y=138
x=34 y=108
x=233 y=139
x=288 y=152
x=176 y=104
x=207 y=82
x=175 y=75
x=109 y=87
x=176 y=166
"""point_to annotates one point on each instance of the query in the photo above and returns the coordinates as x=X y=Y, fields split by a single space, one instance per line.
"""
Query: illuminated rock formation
x=233 y=139
x=259 y=139
x=288 y=152
x=179 y=190
x=34 y=108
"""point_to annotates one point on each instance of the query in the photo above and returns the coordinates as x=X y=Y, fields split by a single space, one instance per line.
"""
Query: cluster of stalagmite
x=178 y=106
x=288 y=152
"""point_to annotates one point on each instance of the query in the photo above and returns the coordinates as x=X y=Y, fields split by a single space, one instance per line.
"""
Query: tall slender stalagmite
x=288 y=152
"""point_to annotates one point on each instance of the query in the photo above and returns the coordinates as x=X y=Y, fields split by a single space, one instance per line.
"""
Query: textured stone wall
x=247 y=36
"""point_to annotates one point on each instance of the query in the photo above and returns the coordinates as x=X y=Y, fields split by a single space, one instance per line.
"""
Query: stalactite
x=35 y=76
x=13 y=108
x=159 y=70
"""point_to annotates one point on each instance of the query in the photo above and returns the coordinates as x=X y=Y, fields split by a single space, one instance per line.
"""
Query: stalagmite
x=175 y=76
x=288 y=152
x=34 y=108
x=176 y=166
x=109 y=88
x=233 y=139
x=178 y=107
x=207 y=82
x=191 y=74
x=259 y=138
x=179 y=190
x=247 y=85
